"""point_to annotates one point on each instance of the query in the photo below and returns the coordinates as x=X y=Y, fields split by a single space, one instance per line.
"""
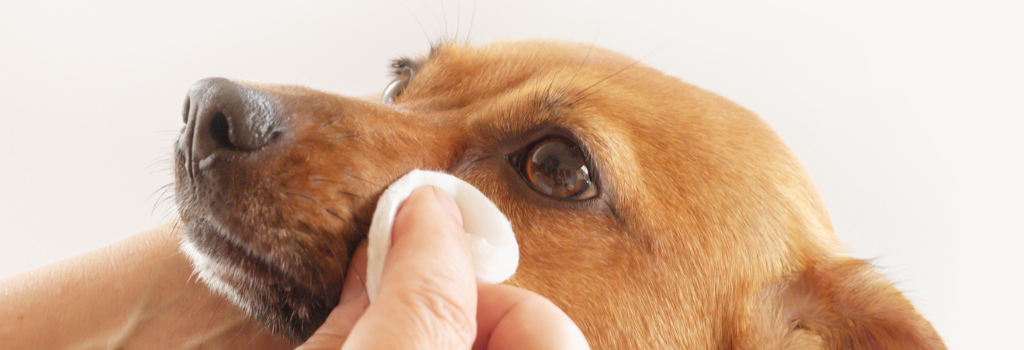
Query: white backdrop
x=906 y=113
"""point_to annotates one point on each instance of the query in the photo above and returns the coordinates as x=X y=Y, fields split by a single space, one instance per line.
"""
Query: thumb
x=428 y=296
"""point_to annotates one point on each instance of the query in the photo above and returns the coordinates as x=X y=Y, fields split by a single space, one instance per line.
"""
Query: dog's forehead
x=456 y=75
x=657 y=138
x=595 y=88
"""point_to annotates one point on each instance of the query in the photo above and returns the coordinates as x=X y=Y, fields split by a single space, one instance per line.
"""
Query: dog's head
x=656 y=214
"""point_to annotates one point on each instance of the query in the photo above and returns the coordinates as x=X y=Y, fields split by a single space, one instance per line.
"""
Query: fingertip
x=427 y=292
x=446 y=202
x=428 y=207
x=514 y=318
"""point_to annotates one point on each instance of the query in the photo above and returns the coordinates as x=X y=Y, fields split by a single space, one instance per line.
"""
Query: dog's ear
x=847 y=305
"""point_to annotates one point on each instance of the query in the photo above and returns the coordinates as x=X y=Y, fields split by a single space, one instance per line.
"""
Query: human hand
x=429 y=298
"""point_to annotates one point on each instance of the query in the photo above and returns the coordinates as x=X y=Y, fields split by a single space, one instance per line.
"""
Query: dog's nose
x=222 y=114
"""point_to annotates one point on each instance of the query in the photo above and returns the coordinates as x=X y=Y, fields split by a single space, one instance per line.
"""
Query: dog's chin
x=260 y=288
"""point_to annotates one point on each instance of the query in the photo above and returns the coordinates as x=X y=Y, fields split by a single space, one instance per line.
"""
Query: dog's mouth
x=290 y=299
x=270 y=234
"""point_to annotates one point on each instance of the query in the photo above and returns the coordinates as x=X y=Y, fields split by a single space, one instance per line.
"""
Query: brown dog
x=656 y=214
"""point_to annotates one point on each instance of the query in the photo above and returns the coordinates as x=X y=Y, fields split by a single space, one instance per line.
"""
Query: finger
x=427 y=298
x=336 y=329
x=515 y=318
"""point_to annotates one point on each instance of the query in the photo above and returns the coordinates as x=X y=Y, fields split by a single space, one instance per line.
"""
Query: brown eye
x=556 y=167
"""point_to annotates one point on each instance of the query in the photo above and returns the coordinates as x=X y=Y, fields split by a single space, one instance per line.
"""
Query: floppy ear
x=849 y=306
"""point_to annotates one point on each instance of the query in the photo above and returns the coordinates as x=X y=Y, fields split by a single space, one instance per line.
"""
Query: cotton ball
x=491 y=240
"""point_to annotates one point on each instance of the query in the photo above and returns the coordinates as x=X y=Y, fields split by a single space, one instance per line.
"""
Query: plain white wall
x=906 y=113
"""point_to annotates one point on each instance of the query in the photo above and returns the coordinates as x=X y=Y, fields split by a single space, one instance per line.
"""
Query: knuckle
x=443 y=316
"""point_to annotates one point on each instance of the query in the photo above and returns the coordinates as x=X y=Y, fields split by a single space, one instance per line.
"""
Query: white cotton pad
x=491 y=240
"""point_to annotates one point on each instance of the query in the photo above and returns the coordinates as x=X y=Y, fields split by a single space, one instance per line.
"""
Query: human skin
x=140 y=293
x=136 y=293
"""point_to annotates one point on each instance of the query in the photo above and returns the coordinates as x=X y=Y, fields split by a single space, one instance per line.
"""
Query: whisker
x=300 y=195
x=347 y=193
x=164 y=160
x=257 y=335
x=333 y=242
x=239 y=332
x=444 y=14
x=210 y=322
x=354 y=229
x=319 y=274
x=417 y=19
x=164 y=193
x=361 y=179
x=308 y=259
x=195 y=305
x=438 y=20
x=603 y=80
x=472 y=17
x=580 y=68
x=171 y=212
x=360 y=134
x=176 y=227
x=334 y=252
x=341 y=192
x=617 y=73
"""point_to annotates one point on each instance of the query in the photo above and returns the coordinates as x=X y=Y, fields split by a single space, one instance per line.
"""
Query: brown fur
x=706 y=234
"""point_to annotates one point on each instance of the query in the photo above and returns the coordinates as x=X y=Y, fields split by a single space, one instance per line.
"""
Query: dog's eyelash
x=402 y=64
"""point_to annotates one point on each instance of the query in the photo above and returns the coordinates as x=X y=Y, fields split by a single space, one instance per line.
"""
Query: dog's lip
x=240 y=258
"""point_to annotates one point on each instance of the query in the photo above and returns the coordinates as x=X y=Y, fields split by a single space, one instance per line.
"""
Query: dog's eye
x=397 y=86
x=556 y=167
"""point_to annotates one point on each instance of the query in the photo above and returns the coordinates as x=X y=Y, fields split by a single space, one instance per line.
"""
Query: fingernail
x=448 y=204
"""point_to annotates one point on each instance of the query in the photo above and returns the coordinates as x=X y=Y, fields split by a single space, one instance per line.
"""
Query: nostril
x=223 y=115
x=220 y=131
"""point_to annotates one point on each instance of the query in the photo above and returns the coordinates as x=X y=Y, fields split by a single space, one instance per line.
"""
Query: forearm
x=137 y=293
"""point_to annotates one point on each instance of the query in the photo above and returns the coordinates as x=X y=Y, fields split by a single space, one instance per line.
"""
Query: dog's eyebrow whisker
x=580 y=68
x=547 y=90
x=623 y=69
x=444 y=14
x=417 y=19
x=458 y=17
x=603 y=80
x=472 y=17
x=438 y=20
x=614 y=74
